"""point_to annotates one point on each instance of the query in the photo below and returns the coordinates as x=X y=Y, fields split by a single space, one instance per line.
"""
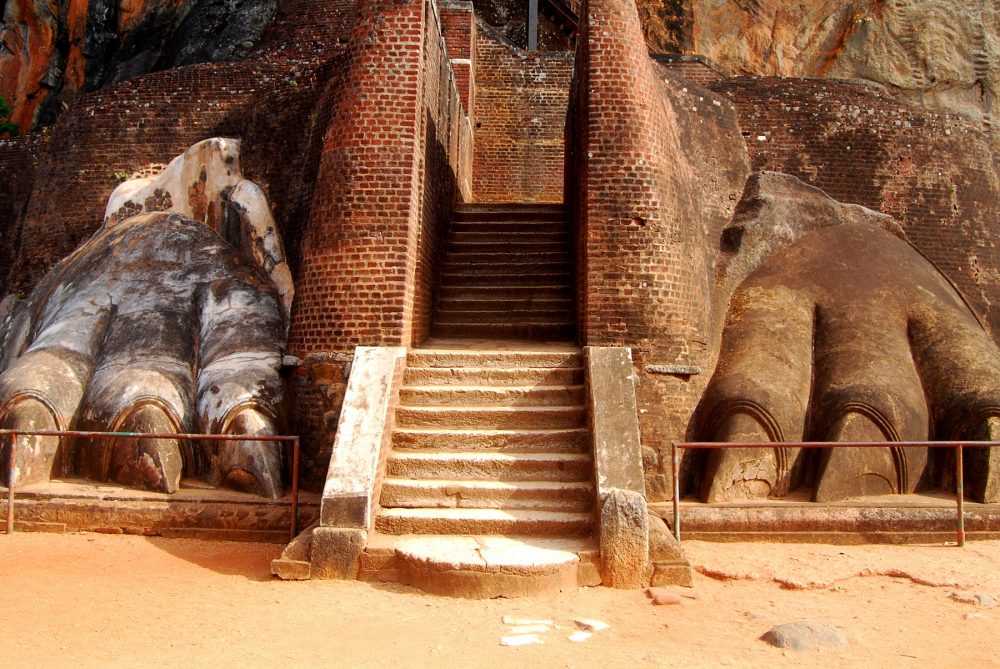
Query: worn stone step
x=507 y=359
x=523 y=303
x=509 y=213
x=476 y=256
x=526 y=246
x=515 y=267
x=505 y=316
x=507 y=292
x=480 y=465
x=473 y=279
x=426 y=376
x=525 y=330
x=509 y=226
x=509 y=237
x=504 y=396
x=490 y=418
x=482 y=521
x=558 y=440
x=576 y=496
x=484 y=566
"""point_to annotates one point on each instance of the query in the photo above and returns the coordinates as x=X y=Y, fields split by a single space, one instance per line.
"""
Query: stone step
x=526 y=246
x=509 y=213
x=574 y=496
x=524 y=303
x=474 y=279
x=426 y=376
x=509 y=237
x=482 y=567
x=509 y=226
x=482 y=521
x=538 y=331
x=502 y=396
x=490 y=417
x=480 y=465
x=476 y=256
x=512 y=268
x=505 y=316
x=560 y=440
x=492 y=358
x=533 y=293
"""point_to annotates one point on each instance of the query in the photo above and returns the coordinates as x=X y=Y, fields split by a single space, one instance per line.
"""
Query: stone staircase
x=507 y=275
x=488 y=490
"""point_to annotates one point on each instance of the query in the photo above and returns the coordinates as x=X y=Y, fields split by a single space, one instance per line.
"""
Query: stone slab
x=363 y=437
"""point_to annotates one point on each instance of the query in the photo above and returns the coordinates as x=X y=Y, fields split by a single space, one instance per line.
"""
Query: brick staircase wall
x=520 y=120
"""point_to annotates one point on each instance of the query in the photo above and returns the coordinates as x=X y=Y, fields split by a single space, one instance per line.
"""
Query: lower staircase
x=488 y=490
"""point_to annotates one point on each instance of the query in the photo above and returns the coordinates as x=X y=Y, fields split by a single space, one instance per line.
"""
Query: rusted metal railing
x=957 y=445
x=14 y=434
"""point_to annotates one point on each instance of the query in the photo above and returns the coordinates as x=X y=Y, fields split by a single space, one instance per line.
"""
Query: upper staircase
x=507 y=274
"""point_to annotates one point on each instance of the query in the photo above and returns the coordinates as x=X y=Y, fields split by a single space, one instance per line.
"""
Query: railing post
x=295 y=489
x=11 y=468
x=677 y=492
x=960 y=494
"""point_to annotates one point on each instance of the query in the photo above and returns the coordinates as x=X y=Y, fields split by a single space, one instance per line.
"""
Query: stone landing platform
x=887 y=519
x=193 y=512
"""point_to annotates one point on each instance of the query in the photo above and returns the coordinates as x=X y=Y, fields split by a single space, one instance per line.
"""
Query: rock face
x=941 y=53
x=51 y=53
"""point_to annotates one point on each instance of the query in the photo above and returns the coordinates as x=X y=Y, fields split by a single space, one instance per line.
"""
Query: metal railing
x=957 y=445
x=14 y=434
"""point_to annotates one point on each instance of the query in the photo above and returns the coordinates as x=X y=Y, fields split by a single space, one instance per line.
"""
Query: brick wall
x=18 y=162
x=934 y=172
x=520 y=118
x=654 y=171
x=397 y=151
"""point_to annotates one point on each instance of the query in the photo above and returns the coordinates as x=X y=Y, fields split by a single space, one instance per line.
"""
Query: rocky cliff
x=51 y=53
x=943 y=54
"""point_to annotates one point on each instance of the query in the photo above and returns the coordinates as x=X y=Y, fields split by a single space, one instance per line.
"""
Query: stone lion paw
x=160 y=323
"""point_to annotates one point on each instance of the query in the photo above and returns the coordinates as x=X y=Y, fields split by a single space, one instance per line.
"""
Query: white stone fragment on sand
x=579 y=637
x=528 y=629
x=519 y=640
x=512 y=620
x=590 y=624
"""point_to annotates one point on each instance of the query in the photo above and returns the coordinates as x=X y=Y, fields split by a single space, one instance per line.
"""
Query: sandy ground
x=87 y=600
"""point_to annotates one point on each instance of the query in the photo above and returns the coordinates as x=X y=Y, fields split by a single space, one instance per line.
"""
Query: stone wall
x=520 y=117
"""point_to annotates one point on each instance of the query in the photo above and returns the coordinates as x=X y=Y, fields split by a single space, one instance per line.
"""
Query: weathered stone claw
x=36 y=456
x=149 y=464
x=740 y=473
x=250 y=466
x=854 y=472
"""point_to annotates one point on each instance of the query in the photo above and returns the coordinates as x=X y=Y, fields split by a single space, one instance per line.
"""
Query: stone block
x=291 y=570
x=624 y=541
x=336 y=553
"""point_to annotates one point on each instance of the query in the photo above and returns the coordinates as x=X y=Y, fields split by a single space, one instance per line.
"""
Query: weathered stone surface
x=336 y=553
x=667 y=563
x=623 y=534
x=805 y=635
x=362 y=443
x=107 y=341
x=941 y=53
x=485 y=567
x=868 y=348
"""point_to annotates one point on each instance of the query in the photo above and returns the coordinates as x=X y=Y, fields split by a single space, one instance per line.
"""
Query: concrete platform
x=195 y=511
x=896 y=519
